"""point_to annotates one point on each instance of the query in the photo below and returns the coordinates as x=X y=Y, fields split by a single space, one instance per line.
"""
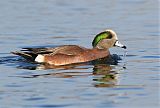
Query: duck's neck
x=100 y=53
x=99 y=49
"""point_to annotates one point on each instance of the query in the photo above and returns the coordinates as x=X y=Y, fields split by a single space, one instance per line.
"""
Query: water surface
x=46 y=23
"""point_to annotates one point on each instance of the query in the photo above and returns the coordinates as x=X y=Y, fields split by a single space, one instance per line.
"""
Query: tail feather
x=30 y=54
x=34 y=49
x=26 y=55
x=37 y=50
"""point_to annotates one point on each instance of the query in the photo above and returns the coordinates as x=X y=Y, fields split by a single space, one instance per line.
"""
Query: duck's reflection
x=103 y=74
x=101 y=70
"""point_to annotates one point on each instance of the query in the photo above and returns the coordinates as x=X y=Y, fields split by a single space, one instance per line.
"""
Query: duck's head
x=106 y=39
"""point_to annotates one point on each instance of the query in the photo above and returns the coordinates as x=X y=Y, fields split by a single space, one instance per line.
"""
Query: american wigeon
x=69 y=54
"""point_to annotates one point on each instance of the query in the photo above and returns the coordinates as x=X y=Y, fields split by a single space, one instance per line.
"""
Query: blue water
x=47 y=23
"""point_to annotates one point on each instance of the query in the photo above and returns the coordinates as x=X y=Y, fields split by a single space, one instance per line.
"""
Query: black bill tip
x=124 y=47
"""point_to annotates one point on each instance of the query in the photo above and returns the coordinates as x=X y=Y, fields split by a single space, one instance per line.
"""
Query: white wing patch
x=39 y=58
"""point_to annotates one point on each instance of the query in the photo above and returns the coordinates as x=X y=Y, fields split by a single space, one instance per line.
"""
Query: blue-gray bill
x=118 y=44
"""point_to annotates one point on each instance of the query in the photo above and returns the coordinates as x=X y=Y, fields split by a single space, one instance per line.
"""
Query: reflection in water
x=103 y=74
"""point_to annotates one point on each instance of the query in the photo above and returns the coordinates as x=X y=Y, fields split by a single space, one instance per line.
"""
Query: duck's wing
x=67 y=50
x=32 y=53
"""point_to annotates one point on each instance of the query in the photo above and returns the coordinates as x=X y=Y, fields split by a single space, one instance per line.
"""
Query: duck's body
x=69 y=54
x=62 y=55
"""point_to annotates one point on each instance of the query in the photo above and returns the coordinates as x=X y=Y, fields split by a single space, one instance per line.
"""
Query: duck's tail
x=27 y=55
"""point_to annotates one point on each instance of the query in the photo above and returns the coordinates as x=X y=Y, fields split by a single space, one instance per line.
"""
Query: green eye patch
x=100 y=36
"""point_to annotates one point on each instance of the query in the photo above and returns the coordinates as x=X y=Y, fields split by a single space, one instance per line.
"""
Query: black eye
x=109 y=35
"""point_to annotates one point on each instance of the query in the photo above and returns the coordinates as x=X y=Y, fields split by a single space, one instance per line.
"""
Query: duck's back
x=67 y=49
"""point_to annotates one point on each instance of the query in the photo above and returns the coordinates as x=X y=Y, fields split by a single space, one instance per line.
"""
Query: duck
x=73 y=54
